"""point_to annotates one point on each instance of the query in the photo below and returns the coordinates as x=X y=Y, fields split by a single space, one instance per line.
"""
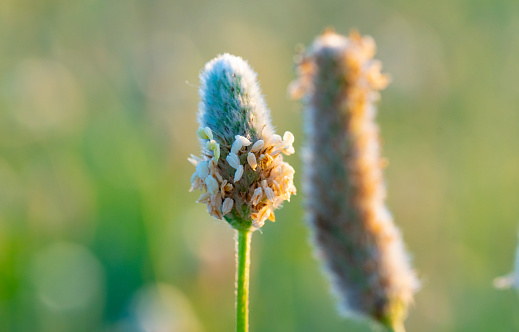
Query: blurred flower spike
x=241 y=168
x=352 y=228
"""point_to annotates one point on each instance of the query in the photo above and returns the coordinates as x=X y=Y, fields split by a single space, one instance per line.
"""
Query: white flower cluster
x=250 y=183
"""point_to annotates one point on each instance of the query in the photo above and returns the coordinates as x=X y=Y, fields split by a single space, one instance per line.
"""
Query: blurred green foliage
x=97 y=116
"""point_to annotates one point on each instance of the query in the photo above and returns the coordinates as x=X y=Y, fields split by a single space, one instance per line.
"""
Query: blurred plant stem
x=242 y=279
x=396 y=327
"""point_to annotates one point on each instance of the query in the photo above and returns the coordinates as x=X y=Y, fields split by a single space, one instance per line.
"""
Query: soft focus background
x=98 y=101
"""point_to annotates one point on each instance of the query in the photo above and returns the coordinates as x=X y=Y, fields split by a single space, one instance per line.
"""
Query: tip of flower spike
x=231 y=102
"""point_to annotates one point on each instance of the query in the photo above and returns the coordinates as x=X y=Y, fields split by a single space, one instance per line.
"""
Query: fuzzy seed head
x=352 y=228
x=241 y=169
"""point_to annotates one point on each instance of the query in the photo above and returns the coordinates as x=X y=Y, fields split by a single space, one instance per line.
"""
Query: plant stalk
x=242 y=279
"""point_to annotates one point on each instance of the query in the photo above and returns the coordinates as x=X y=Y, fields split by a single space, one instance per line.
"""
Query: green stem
x=242 y=280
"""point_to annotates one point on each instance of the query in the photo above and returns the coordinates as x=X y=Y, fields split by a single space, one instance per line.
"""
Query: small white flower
x=204 y=198
x=227 y=206
x=256 y=222
x=287 y=187
x=288 y=170
x=208 y=132
x=212 y=184
x=213 y=164
x=265 y=160
x=211 y=145
x=275 y=139
x=276 y=162
x=263 y=214
x=289 y=150
x=236 y=146
x=201 y=133
x=238 y=174
x=233 y=160
x=194 y=160
x=225 y=188
x=251 y=159
x=288 y=138
x=269 y=193
x=278 y=148
x=239 y=142
x=217 y=152
x=256 y=196
x=276 y=186
x=202 y=169
x=216 y=201
x=257 y=146
x=216 y=174
x=244 y=140
x=195 y=182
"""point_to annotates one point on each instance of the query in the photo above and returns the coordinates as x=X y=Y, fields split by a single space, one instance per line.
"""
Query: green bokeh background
x=98 y=101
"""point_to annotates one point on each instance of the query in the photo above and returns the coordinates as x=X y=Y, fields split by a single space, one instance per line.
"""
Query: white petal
x=208 y=132
x=251 y=159
x=216 y=201
x=233 y=160
x=269 y=193
x=217 y=175
x=212 y=184
x=244 y=140
x=204 y=198
x=256 y=196
x=257 y=146
x=288 y=138
x=263 y=214
x=289 y=150
x=227 y=205
x=288 y=170
x=238 y=174
x=277 y=149
x=276 y=186
x=277 y=161
x=202 y=169
x=217 y=152
x=213 y=163
x=194 y=159
x=195 y=182
x=275 y=139
x=201 y=133
x=236 y=146
x=211 y=145
x=257 y=223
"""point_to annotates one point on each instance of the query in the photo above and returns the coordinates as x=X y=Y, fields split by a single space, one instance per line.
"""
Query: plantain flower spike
x=510 y=280
x=241 y=169
x=353 y=231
